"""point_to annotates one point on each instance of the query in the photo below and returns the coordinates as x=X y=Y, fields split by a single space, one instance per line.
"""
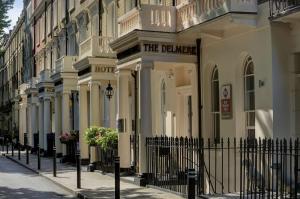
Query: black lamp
x=109 y=91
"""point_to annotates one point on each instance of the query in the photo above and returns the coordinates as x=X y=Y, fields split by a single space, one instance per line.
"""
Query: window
x=249 y=97
x=163 y=106
x=215 y=100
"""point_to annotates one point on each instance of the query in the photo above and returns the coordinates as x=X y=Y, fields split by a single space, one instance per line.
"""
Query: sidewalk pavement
x=94 y=184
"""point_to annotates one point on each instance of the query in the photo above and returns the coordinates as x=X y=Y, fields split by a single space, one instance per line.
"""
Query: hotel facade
x=211 y=69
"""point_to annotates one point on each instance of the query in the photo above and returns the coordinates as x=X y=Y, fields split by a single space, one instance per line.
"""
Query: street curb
x=74 y=193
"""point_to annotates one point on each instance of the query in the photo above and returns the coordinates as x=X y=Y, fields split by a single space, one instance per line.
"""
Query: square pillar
x=65 y=103
x=124 y=116
x=41 y=123
x=58 y=128
x=145 y=111
x=83 y=121
x=94 y=103
x=33 y=123
x=47 y=122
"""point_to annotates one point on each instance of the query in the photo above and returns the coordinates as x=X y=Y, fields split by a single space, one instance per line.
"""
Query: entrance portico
x=157 y=80
x=95 y=108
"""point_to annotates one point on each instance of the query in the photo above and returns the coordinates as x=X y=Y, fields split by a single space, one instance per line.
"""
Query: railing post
x=296 y=167
x=78 y=166
x=117 y=177
x=191 y=183
x=19 y=151
x=12 y=148
x=54 y=161
x=7 y=146
x=27 y=155
x=39 y=157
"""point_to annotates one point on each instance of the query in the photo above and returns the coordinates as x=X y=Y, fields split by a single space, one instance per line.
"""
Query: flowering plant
x=67 y=137
x=109 y=139
x=92 y=134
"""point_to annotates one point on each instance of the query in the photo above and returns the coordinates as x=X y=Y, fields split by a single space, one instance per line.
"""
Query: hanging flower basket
x=68 y=137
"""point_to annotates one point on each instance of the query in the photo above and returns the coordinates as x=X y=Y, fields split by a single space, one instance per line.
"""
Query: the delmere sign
x=170 y=48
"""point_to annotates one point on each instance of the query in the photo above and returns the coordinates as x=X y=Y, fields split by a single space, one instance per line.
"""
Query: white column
x=145 y=112
x=58 y=122
x=124 y=115
x=33 y=124
x=94 y=103
x=65 y=115
x=83 y=121
x=47 y=123
x=41 y=123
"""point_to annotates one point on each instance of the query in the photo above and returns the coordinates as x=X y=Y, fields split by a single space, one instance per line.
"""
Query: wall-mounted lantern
x=109 y=92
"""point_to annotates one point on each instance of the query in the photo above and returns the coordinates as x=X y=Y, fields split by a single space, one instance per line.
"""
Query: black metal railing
x=282 y=7
x=247 y=168
x=105 y=158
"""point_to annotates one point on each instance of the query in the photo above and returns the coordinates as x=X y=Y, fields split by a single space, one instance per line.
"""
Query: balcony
x=45 y=75
x=65 y=64
x=192 y=12
x=285 y=10
x=96 y=46
x=148 y=17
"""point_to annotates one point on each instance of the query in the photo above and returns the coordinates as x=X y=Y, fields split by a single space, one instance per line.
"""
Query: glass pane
x=250 y=119
x=249 y=83
x=215 y=95
x=250 y=68
x=217 y=128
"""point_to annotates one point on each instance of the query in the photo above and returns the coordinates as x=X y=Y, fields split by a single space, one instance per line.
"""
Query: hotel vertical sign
x=226 y=101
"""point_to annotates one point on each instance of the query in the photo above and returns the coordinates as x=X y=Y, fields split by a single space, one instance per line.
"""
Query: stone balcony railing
x=280 y=8
x=45 y=75
x=148 y=17
x=196 y=12
x=96 y=46
x=185 y=14
x=64 y=64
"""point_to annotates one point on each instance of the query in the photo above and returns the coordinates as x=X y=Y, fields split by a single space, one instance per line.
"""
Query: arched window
x=215 y=100
x=249 y=97
x=163 y=106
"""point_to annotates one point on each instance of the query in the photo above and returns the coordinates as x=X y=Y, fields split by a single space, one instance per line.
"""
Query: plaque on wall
x=121 y=125
x=226 y=101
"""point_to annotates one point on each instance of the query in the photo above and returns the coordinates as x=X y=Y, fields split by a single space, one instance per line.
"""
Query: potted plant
x=108 y=143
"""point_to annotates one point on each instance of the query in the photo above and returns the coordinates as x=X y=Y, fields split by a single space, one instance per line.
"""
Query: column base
x=85 y=161
x=91 y=167
x=143 y=179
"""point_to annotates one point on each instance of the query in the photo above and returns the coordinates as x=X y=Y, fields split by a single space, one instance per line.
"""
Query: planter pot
x=93 y=153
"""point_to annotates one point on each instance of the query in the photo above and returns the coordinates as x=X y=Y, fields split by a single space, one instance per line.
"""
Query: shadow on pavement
x=108 y=193
x=23 y=193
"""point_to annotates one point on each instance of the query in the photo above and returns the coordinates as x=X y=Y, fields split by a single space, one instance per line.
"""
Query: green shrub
x=108 y=140
x=91 y=135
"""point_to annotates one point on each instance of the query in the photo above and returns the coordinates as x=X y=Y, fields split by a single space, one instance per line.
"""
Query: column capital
x=94 y=82
x=47 y=98
x=145 y=65
x=120 y=72
x=82 y=87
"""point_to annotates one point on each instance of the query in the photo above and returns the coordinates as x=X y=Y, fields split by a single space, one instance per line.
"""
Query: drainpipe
x=198 y=43
x=67 y=22
x=136 y=119
x=100 y=17
x=199 y=86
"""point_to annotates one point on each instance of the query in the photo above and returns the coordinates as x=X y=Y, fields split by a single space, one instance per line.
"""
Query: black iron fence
x=281 y=7
x=262 y=168
x=105 y=158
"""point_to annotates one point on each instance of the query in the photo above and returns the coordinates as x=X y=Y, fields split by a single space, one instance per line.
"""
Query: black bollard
x=39 y=157
x=19 y=151
x=27 y=155
x=54 y=161
x=6 y=146
x=12 y=148
x=191 y=183
x=78 y=165
x=117 y=177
